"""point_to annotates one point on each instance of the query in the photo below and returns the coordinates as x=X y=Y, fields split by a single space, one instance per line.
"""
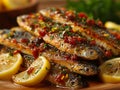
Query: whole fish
x=58 y=75
x=59 y=35
x=87 y=27
x=37 y=47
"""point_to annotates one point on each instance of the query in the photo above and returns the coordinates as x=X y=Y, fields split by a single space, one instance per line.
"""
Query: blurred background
x=98 y=9
x=105 y=10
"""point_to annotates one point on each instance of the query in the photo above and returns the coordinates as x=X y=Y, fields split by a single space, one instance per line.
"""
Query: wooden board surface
x=8 y=85
x=51 y=3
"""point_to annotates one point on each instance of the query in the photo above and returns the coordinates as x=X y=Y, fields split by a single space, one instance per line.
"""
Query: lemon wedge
x=9 y=65
x=110 y=71
x=112 y=25
x=12 y=4
x=34 y=74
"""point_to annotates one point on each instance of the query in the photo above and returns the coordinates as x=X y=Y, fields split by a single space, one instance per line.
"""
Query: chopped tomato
x=14 y=40
x=92 y=42
x=82 y=15
x=35 y=52
x=42 y=32
x=60 y=78
x=90 y=22
x=99 y=23
x=24 y=40
x=108 y=53
x=30 y=70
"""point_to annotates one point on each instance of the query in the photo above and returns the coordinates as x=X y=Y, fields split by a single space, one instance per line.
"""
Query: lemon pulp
x=34 y=74
x=9 y=65
x=110 y=71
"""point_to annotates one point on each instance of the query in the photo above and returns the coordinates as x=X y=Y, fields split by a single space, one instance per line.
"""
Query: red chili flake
x=95 y=35
x=74 y=57
x=99 y=23
x=88 y=32
x=72 y=40
x=32 y=26
x=118 y=36
x=14 y=41
x=31 y=45
x=70 y=15
x=80 y=39
x=90 y=22
x=16 y=51
x=41 y=18
x=93 y=42
x=24 y=40
x=108 y=53
x=67 y=57
x=35 y=52
x=66 y=39
x=42 y=32
x=60 y=78
x=30 y=70
x=82 y=15
x=36 y=25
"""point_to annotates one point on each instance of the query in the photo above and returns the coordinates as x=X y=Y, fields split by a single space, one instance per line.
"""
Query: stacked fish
x=74 y=44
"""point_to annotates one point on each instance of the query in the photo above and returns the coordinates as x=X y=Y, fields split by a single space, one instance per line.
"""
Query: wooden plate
x=9 y=85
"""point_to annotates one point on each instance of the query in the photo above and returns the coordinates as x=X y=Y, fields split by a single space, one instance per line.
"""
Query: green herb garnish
x=51 y=37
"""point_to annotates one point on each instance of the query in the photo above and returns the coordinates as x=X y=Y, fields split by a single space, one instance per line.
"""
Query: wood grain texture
x=9 y=85
x=51 y=3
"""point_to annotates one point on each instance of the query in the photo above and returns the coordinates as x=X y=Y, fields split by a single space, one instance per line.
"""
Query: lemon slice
x=34 y=74
x=9 y=65
x=110 y=71
x=12 y=4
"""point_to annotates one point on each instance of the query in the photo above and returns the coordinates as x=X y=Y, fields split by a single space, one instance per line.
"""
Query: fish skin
x=5 y=40
x=110 y=44
x=85 y=52
x=50 y=53
x=72 y=80
x=81 y=67
x=81 y=51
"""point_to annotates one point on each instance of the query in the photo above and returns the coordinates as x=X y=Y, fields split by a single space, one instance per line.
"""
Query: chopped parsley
x=51 y=37
x=45 y=45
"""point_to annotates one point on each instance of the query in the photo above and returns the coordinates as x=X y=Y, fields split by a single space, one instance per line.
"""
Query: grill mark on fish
x=85 y=52
x=59 y=16
x=75 y=66
x=70 y=80
x=78 y=67
x=5 y=36
x=81 y=51
x=115 y=34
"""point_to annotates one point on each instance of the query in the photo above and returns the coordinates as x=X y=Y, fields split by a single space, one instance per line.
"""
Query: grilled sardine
x=35 y=47
x=86 y=27
x=70 y=80
x=59 y=35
